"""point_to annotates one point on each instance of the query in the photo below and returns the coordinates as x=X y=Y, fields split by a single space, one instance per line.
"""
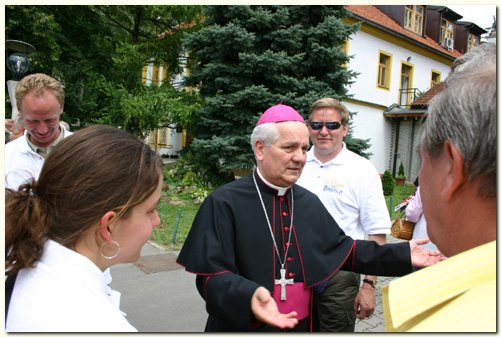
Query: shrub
x=388 y=183
x=401 y=171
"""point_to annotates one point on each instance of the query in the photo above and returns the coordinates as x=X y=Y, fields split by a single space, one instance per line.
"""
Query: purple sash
x=298 y=299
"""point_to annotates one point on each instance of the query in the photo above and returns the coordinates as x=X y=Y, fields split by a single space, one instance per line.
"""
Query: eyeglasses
x=329 y=125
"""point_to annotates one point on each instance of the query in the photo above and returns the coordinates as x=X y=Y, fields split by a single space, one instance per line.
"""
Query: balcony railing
x=407 y=96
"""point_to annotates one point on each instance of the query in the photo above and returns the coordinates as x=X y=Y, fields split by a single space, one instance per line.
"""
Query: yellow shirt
x=455 y=295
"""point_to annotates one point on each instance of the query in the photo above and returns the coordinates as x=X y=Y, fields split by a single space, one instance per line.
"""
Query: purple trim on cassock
x=203 y=274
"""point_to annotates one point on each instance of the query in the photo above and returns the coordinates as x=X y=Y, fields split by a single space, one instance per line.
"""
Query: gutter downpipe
x=397 y=136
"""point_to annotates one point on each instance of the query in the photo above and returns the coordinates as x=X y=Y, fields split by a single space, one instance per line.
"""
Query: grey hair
x=464 y=113
x=474 y=59
x=267 y=133
x=328 y=102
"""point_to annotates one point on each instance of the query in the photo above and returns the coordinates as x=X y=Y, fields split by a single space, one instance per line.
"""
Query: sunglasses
x=329 y=125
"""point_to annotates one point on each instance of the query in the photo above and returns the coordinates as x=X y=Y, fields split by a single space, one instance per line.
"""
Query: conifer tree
x=248 y=58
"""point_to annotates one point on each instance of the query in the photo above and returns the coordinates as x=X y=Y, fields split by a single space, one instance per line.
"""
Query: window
x=154 y=78
x=406 y=91
x=151 y=136
x=163 y=136
x=473 y=41
x=435 y=78
x=147 y=73
x=413 y=19
x=384 y=67
x=446 y=31
x=153 y=73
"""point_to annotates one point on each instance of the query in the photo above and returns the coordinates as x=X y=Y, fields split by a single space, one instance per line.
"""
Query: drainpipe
x=413 y=132
x=397 y=136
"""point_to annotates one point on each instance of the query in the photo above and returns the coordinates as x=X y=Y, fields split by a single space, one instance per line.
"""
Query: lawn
x=177 y=211
x=399 y=195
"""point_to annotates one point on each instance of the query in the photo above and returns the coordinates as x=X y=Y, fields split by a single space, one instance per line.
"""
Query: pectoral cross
x=283 y=282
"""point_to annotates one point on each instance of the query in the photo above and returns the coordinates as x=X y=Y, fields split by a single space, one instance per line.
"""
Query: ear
x=106 y=225
x=259 y=150
x=345 y=130
x=455 y=174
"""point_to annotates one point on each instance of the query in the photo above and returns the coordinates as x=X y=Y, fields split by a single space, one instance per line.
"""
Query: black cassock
x=230 y=249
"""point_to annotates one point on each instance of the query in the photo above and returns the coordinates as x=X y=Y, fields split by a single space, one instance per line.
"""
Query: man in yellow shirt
x=458 y=190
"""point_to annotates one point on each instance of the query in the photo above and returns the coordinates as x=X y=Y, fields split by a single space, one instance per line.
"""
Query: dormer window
x=446 y=32
x=473 y=41
x=413 y=20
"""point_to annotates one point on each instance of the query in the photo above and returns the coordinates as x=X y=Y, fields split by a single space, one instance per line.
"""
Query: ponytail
x=25 y=228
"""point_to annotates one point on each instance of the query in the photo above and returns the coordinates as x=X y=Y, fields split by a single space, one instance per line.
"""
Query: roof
x=418 y=108
x=472 y=27
x=447 y=12
x=424 y=99
x=394 y=111
x=375 y=16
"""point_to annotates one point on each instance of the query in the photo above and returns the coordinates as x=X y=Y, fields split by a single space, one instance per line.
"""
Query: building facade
x=166 y=141
x=400 y=52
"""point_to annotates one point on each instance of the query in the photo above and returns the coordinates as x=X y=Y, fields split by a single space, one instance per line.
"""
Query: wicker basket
x=402 y=229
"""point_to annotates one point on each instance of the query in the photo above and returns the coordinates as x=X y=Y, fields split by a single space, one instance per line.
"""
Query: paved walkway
x=159 y=296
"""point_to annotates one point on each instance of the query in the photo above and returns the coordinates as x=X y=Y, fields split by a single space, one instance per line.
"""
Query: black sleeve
x=370 y=258
x=228 y=298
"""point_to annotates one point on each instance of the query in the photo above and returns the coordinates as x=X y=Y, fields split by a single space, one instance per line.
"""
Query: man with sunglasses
x=40 y=101
x=350 y=188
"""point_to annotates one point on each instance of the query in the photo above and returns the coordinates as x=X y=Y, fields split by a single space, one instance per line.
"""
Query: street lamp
x=18 y=64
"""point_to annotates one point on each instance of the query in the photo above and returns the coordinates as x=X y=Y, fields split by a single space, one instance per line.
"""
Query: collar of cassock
x=281 y=191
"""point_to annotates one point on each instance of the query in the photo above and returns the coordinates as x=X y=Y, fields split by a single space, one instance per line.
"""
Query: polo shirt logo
x=334 y=187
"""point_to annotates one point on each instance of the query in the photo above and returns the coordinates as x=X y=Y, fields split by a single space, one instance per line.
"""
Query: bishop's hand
x=265 y=310
x=421 y=257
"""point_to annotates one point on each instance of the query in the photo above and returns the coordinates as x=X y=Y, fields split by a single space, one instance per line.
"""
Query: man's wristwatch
x=372 y=283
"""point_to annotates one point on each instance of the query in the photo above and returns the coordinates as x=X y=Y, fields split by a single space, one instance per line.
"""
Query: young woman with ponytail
x=93 y=206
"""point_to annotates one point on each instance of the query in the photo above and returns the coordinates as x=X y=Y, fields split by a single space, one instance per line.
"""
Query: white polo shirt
x=350 y=188
x=22 y=163
x=65 y=292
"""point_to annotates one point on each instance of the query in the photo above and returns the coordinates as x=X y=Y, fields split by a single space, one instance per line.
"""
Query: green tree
x=401 y=171
x=388 y=183
x=248 y=58
x=98 y=53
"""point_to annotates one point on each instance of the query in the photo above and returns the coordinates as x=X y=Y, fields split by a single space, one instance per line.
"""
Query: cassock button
x=291 y=275
x=290 y=259
x=285 y=213
x=286 y=228
x=281 y=199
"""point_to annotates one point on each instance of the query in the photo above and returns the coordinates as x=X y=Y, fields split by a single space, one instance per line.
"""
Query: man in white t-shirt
x=40 y=101
x=350 y=188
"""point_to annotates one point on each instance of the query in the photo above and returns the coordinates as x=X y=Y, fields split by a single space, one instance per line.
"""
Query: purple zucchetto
x=280 y=113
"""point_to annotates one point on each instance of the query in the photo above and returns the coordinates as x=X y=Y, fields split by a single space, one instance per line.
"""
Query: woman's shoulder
x=42 y=302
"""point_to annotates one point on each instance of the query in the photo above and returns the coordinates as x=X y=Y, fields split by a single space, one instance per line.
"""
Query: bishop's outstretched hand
x=421 y=257
x=265 y=309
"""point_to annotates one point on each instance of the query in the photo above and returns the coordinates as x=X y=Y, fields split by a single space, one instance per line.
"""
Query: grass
x=399 y=195
x=177 y=211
